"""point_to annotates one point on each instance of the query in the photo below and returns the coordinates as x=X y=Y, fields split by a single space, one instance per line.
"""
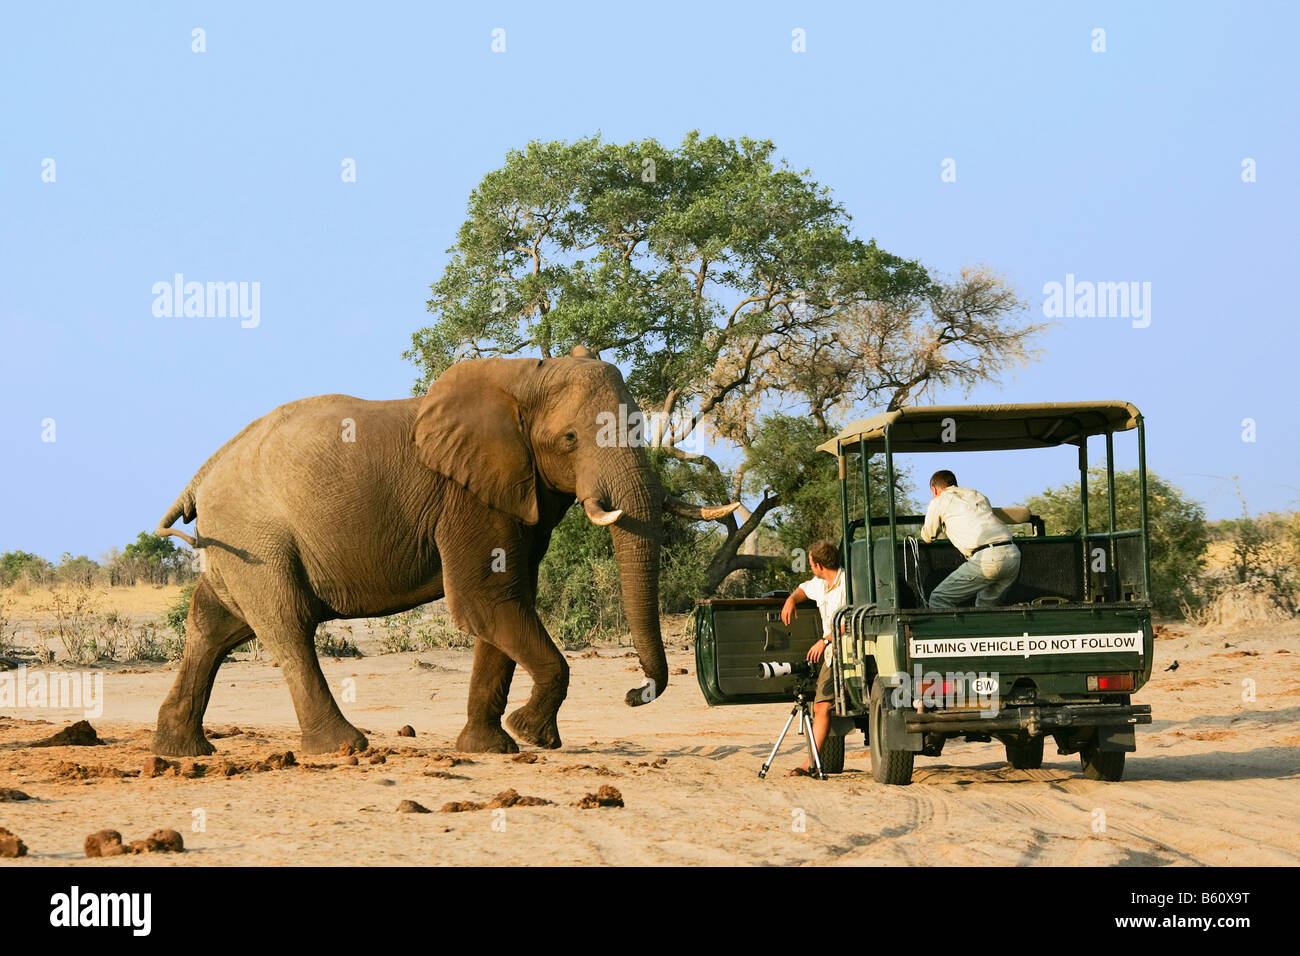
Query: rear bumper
x=1032 y=720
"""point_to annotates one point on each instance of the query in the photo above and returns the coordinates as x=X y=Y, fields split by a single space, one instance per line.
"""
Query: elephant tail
x=183 y=507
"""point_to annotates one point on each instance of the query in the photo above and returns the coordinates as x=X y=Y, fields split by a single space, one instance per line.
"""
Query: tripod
x=803 y=690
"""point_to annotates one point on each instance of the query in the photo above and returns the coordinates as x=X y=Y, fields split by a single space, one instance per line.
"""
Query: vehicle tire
x=1101 y=764
x=1025 y=754
x=832 y=754
x=892 y=767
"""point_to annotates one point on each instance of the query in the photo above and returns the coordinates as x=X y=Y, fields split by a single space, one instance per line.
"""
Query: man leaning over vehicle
x=992 y=558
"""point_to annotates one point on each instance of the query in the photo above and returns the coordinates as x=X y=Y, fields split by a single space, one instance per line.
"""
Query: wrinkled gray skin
x=300 y=526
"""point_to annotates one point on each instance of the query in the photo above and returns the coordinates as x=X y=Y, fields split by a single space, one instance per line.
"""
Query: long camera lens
x=767 y=670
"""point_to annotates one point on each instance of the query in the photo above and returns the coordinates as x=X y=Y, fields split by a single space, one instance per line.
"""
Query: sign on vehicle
x=1023 y=645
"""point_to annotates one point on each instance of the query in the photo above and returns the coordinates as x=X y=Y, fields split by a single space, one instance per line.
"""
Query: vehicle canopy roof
x=985 y=427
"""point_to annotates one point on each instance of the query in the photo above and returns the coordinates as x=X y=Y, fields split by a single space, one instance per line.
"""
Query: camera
x=767 y=670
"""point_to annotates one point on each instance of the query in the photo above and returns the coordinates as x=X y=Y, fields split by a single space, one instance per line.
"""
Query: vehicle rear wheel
x=887 y=766
x=1101 y=764
x=832 y=754
x=1025 y=754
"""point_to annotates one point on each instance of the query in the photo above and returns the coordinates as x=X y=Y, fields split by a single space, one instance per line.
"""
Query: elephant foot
x=534 y=728
x=331 y=739
x=485 y=739
x=180 y=743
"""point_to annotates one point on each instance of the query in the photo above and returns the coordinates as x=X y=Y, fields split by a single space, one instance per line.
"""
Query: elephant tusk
x=598 y=515
x=685 y=509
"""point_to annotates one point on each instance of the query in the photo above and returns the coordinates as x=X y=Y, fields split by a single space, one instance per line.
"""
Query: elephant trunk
x=636 y=537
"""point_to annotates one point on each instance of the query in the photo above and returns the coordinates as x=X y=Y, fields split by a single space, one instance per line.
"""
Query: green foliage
x=414 y=631
x=155 y=559
x=79 y=570
x=174 y=617
x=578 y=594
x=784 y=460
x=586 y=242
x=1178 y=531
x=23 y=564
x=716 y=277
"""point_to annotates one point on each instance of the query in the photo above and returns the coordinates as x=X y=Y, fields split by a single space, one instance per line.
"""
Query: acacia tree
x=719 y=280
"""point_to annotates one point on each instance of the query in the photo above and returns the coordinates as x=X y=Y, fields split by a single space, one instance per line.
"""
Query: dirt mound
x=156 y=767
x=80 y=734
x=104 y=843
x=109 y=843
x=447 y=760
x=606 y=796
x=67 y=770
x=410 y=806
x=10 y=846
x=191 y=769
x=9 y=795
x=587 y=768
x=658 y=764
x=506 y=798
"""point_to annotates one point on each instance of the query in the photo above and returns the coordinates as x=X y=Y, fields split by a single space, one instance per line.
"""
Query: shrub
x=76 y=620
x=329 y=644
x=175 y=616
x=1177 y=524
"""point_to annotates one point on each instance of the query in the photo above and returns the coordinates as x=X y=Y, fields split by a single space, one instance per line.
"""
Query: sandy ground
x=1214 y=781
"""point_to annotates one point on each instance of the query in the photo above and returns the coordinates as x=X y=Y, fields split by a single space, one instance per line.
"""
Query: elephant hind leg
x=489 y=684
x=211 y=631
x=290 y=636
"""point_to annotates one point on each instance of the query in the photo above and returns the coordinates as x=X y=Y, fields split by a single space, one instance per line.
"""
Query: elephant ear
x=470 y=429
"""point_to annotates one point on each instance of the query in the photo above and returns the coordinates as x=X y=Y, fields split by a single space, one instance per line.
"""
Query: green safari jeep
x=1061 y=657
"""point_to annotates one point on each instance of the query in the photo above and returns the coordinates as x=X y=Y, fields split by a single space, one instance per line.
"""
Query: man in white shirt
x=992 y=558
x=827 y=589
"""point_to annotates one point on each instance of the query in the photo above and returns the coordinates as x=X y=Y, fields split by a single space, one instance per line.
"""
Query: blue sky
x=1123 y=165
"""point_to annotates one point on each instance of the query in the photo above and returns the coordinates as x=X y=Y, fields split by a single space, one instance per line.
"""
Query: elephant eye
x=571 y=439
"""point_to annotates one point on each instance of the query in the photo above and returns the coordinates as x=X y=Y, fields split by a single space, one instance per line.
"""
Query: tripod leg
x=777 y=746
x=812 y=744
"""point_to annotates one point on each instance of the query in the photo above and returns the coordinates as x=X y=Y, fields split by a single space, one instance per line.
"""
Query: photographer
x=827 y=589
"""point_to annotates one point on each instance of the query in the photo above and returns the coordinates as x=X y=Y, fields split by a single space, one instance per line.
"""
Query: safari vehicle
x=1061 y=656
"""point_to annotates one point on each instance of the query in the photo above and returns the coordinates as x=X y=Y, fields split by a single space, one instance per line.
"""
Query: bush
x=397 y=631
x=175 y=616
x=413 y=631
x=76 y=621
x=329 y=644
x=23 y=571
x=146 y=643
x=578 y=596
x=1177 y=523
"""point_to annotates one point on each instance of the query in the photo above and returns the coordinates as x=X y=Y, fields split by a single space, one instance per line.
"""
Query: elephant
x=336 y=507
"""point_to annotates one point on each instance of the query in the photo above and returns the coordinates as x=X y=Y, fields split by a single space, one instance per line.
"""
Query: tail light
x=934 y=687
x=1110 y=682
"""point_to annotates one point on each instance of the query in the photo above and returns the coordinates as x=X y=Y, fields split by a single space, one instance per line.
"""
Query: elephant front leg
x=535 y=721
x=489 y=683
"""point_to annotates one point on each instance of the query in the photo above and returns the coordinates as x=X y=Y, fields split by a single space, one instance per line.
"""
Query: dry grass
x=138 y=599
x=1239 y=605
